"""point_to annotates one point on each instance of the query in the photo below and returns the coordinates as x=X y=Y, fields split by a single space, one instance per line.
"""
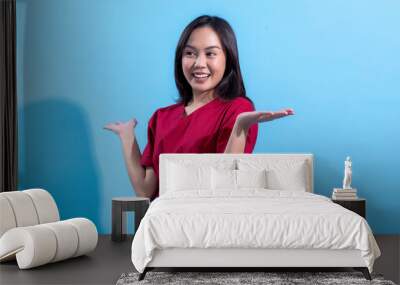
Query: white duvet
x=250 y=219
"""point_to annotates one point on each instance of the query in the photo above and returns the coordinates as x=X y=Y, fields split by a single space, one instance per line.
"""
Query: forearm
x=237 y=140
x=136 y=172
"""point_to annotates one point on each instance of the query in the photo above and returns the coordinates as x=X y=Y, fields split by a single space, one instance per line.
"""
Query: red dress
x=205 y=130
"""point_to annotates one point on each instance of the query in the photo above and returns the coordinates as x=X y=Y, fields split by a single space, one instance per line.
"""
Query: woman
x=213 y=113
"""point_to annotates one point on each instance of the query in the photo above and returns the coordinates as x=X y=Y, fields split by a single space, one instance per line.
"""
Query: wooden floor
x=111 y=259
x=103 y=266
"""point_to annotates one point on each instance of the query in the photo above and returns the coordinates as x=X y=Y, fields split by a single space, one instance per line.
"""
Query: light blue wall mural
x=82 y=63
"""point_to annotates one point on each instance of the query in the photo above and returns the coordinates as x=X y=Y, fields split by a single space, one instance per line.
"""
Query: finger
x=290 y=111
x=284 y=112
x=273 y=115
x=111 y=128
x=280 y=114
x=276 y=115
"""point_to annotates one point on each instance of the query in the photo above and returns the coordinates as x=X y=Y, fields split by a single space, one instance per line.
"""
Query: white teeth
x=201 y=75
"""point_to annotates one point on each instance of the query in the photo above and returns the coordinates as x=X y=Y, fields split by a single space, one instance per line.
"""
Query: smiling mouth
x=201 y=75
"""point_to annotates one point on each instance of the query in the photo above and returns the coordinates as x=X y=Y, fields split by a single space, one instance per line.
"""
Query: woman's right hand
x=125 y=130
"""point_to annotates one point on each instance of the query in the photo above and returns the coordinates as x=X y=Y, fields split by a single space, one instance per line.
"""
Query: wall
x=82 y=63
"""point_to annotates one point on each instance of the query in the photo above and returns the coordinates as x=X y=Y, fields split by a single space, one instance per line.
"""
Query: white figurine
x=347 y=173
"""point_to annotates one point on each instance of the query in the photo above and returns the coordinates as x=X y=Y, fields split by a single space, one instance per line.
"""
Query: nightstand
x=121 y=205
x=358 y=205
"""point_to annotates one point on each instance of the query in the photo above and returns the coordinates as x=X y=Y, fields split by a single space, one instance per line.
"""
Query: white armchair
x=31 y=230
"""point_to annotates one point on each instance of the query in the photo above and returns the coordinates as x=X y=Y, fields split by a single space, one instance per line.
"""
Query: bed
x=247 y=210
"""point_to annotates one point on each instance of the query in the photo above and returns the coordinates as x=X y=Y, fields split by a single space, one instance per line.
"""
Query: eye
x=211 y=54
x=189 y=53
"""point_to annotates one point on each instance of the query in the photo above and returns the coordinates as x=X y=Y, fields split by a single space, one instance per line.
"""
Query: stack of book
x=344 y=194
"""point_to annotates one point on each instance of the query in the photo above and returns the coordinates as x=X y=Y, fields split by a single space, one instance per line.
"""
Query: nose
x=200 y=61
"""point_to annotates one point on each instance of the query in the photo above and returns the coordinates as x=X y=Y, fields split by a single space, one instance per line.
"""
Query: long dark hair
x=231 y=84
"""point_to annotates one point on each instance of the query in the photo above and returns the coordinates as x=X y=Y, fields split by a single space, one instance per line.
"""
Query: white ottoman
x=31 y=232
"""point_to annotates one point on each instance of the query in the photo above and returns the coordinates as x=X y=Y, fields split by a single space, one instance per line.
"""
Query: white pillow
x=282 y=174
x=251 y=178
x=182 y=177
x=225 y=179
x=291 y=179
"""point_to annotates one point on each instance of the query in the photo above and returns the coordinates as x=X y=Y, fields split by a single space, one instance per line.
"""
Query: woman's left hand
x=246 y=119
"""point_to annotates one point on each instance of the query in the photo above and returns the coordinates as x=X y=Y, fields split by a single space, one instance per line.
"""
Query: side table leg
x=118 y=222
x=140 y=211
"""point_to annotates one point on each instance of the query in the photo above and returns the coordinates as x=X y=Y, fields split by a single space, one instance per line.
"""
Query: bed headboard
x=270 y=159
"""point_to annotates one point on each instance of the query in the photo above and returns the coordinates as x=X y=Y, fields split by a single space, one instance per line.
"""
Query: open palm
x=122 y=128
x=246 y=119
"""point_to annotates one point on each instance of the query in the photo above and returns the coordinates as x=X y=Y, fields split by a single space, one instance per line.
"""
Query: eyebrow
x=210 y=47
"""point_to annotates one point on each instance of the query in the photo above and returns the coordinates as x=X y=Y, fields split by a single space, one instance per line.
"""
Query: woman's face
x=203 y=60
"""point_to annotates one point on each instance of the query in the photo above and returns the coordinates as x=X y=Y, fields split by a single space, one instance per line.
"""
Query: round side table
x=121 y=205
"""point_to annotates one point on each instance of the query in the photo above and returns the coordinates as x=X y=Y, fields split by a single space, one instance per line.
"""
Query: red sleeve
x=238 y=106
x=147 y=156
